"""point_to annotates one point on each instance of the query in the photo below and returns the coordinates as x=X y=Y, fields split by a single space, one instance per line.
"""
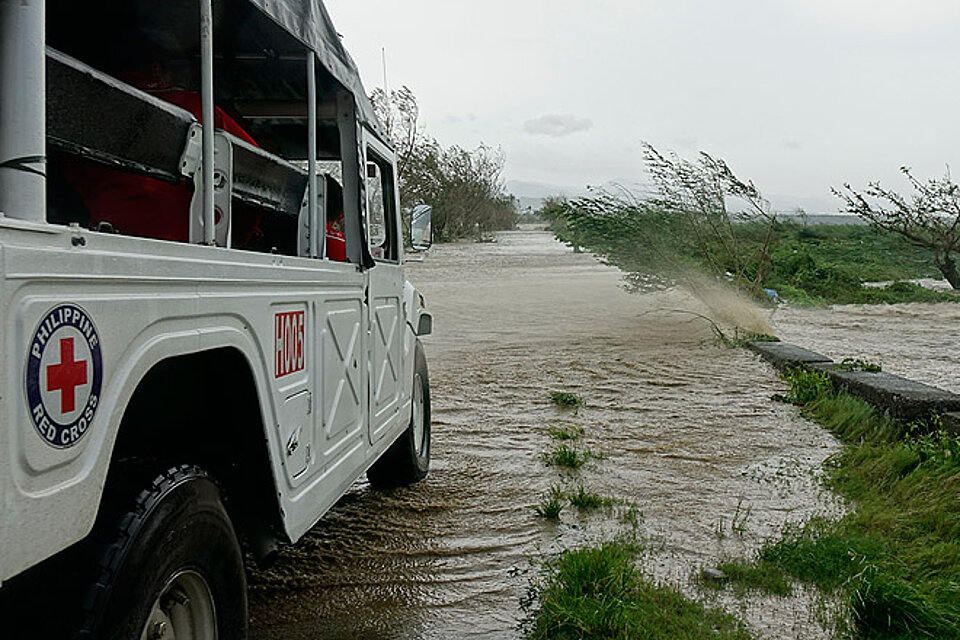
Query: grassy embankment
x=828 y=264
x=598 y=591
x=895 y=557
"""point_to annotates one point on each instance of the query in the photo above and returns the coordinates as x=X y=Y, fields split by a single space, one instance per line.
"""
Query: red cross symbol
x=66 y=376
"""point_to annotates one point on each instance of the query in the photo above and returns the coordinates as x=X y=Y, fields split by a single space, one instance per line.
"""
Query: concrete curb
x=902 y=398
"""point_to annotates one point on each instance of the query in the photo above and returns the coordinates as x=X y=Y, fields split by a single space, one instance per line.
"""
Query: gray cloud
x=556 y=126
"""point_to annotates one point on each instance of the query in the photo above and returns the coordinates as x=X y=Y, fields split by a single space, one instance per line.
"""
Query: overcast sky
x=797 y=95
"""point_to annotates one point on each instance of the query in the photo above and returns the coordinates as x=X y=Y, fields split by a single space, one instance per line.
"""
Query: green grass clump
x=739 y=338
x=895 y=558
x=588 y=500
x=551 y=505
x=807 y=385
x=856 y=364
x=755 y=575
x=598 y=593
x=566 y=433
x=568 y=457
x=566 y=400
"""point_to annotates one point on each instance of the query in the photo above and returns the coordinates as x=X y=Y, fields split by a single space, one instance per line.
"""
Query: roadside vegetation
x=894 y=558
x=598 y=591
x=701 y=218
x=929 y=218
x=465 y=187
x=828 y=264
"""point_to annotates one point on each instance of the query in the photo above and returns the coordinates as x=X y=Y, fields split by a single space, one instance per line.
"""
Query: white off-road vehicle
x=207 y=335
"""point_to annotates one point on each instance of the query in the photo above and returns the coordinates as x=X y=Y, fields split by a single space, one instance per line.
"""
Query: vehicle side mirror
x=421 y=231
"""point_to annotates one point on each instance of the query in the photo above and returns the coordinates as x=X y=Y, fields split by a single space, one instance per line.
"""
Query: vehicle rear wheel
x=408 y=459
x=169 y=565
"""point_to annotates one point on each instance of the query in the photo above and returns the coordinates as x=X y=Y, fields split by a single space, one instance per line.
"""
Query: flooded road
x=686 y=429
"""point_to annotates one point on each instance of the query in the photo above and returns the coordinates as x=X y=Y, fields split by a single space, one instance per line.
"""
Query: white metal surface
x=315 y=226
x=152 y=300
x=22 y=110
x=388 y=362
x=207 y=110
x=85 y=316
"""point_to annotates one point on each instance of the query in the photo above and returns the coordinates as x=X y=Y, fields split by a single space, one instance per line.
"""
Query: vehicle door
x=385 y=328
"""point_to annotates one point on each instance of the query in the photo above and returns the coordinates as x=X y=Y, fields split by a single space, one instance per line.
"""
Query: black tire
x=156 y=543
x=408 y=459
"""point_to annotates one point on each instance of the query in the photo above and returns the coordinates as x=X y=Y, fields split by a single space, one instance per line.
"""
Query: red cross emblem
x=66 y=376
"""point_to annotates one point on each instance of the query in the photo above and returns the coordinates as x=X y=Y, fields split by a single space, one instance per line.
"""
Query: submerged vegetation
x=895 y=556
x=569 y=457
x=566 y=433
x=598 y=592
x=566 y=400
x=588 y=500
x=552 y=505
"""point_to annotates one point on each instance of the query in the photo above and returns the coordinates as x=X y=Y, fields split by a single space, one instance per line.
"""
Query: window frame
x=379 y=154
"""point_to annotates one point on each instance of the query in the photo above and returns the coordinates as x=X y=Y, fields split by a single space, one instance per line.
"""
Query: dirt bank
x=687 y=429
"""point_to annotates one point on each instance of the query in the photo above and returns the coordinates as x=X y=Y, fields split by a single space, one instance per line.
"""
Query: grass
x=827 y=264
x=738 y=522
x=566 y=433
x=856 y=364
x=588 y=500
x=740 y=338
x=566 y=400
x=598 y=593
x=895 y=558
x=551 y=506
x=568 y=457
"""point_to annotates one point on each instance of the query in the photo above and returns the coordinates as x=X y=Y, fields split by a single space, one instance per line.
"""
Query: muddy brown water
x=687 y=431
x=916 y=341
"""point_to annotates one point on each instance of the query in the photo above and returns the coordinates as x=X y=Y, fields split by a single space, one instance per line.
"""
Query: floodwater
x=687 y=431
x=912 y=340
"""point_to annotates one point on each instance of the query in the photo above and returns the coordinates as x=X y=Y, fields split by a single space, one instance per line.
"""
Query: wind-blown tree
x=930 y=218
x=686 y=226
x=400 y=117
x=699 y=195
x=464 y=187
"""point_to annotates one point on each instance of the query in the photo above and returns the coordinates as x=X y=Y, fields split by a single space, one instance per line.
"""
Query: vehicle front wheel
x=170 y=565
x=408 y=459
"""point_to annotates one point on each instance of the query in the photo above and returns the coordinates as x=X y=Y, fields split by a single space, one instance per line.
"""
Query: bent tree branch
x=929 y=218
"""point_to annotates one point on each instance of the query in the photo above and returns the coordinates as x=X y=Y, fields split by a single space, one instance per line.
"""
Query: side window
x=381 y=208
x=376 y=214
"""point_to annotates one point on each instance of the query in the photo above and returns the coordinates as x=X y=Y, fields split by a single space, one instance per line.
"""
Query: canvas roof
x=309 y=22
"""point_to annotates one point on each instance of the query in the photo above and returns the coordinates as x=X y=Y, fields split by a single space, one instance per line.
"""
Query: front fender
x=419 y=320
